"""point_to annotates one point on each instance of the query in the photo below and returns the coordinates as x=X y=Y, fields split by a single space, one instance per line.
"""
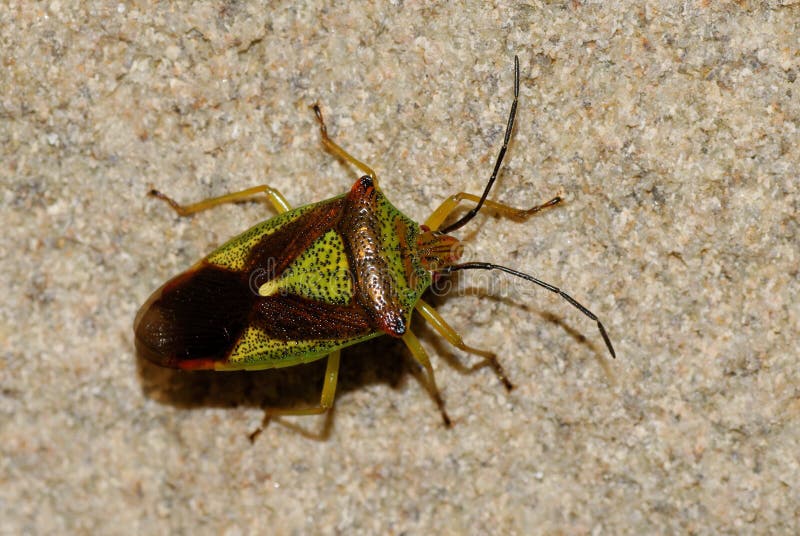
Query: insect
x=315 y=279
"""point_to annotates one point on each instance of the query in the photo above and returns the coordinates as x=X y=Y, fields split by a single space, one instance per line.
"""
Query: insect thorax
x=388 y=275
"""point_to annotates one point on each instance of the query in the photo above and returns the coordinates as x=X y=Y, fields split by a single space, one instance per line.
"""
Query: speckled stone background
x=670 y=128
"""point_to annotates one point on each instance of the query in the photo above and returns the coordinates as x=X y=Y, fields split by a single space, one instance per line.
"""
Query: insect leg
x=329 y=383
x=421 y=356
x=274 y=196
x=325 y=399
x=445 y=330
x=337 y=151
x=438 y=216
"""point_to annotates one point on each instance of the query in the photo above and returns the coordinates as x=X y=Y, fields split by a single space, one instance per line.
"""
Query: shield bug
x=315 y=279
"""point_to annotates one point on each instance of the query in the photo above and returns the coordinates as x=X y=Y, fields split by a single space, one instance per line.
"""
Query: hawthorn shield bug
x=315 y=279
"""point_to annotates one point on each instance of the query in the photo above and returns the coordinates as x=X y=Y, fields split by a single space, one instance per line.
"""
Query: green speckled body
x=291 y=289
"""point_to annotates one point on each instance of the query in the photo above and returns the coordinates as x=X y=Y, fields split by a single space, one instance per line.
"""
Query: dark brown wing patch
x=278 y=250
x=199 y=314
x=292 y=317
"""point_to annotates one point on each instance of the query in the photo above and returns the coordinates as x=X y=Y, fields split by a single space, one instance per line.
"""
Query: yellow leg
x=421 y=356
x=336 y=150
x=275 y=197
x=438 y=216
x=325 y=399
x=445 y=330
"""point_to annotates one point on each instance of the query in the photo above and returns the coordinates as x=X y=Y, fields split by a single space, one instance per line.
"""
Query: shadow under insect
x=380 y=361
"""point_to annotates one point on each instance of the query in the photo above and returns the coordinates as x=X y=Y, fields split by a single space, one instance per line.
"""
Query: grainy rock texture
x=671 y=129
